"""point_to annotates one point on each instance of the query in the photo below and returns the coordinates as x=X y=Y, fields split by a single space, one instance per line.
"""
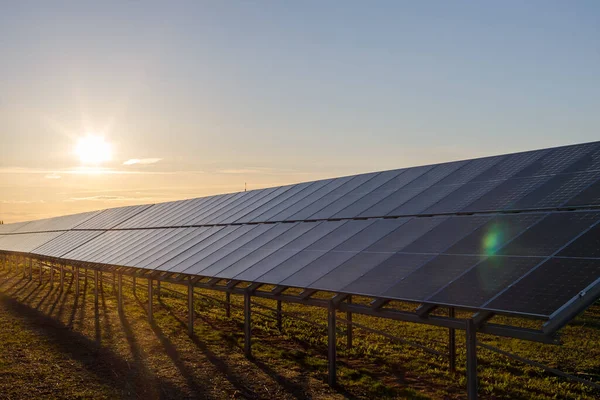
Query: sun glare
x=93 y=149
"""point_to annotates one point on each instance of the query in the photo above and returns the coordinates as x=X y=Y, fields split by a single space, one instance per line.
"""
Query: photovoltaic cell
x=265 y=246
x=505 y=194
x=492 y=236
x=485 y=280
x=510 y=165
x=293 y=191
x=64 y=243
x=275 y=194
x=449 y=231
x=548 y=287
x=353 y=196
x=377 y=280
x=556 y=191
x=292 y=209
x=281 y=249
x=112 y=217
x=588 y=197
x=342 y=253
x=550 y=234
x=461 y=197
x=586 y=245
x=296 y=260
x=364 y=203
x=555 y=160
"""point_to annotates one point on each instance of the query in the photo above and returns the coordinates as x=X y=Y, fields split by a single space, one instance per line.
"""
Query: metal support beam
x=41 y=272
x=425 y=309
x=279 y=315
x=227 y=304
x=349 y=325
x=158 y=289
x=190 y=308
x=120 y=292
x=452 y=343
x=134 y=285
x=471 y=359
x=113 y=282
x=331 y=348
x=30 y=268
x=96 y=288
x=150 y=295
x=247 y=325
x=51 y=274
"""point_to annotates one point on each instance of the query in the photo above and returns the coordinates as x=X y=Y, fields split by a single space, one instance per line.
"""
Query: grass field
x=53 y=345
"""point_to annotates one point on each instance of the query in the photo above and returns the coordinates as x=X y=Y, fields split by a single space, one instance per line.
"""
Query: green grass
x=53 y=347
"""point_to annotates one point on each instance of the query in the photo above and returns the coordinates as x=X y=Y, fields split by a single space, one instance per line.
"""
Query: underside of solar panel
x=517 y=234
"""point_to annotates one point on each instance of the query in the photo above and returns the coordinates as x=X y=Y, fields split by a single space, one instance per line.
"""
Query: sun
x=93 y=149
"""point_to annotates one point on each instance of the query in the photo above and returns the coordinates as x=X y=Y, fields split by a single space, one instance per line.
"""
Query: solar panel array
x=516 y=234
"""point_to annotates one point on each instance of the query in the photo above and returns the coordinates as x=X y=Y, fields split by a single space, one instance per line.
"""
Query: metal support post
x=158 y=289
x=331 y=348
x=134 y=284
x=452 y=343
x=76 y=280
x=247 y=325
x=227 y=304
x=279 y=315
x=30 y=268
x=190 y=308
x=114 y=278
x=96 y=288
x=150 y=295
x=41 y=272
x=471 y=360
x=62 y=277
x=51 y=274
x=349 y=325
x=120 y=292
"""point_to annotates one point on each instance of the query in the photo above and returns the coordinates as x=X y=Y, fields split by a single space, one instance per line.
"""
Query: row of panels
x=465 y=261
x=551 y=178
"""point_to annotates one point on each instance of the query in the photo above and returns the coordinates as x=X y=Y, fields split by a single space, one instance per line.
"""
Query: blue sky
x=270 y=92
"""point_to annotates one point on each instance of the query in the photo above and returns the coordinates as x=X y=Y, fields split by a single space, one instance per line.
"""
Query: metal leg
x=349 y=326
x=96 y=288
x=62 y=277
x=150 y=295
x=41 y=272
x=247 y=325
x=279 y=315
x=134 y=285
x=51 y=275
x=227 y=304
x=120 y=292
x=452 y=343
x=114 y=278
x=30 y=268
x=331 y=353
x=190 y=308
x=158 y=289
x=471 y=360
x=76 y=281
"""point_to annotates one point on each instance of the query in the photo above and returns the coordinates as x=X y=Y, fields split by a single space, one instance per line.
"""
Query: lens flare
x=492 y=241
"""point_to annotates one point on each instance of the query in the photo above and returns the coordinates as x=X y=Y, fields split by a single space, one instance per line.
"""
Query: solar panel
x=517 y=234
x=547 y=287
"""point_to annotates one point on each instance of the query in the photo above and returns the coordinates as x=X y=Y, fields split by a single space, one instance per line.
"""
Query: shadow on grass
x=102 y=362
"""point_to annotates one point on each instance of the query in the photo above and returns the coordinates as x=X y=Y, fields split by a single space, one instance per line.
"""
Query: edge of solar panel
x=512 y=180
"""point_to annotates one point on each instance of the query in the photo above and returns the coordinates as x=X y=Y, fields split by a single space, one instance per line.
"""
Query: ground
x=54 y=345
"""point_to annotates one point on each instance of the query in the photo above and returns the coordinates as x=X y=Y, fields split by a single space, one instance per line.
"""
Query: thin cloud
x=110 y=198
x=142 y=161
x=239 y=171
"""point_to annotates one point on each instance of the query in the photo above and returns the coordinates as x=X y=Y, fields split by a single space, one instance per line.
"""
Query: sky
x=208 y=96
